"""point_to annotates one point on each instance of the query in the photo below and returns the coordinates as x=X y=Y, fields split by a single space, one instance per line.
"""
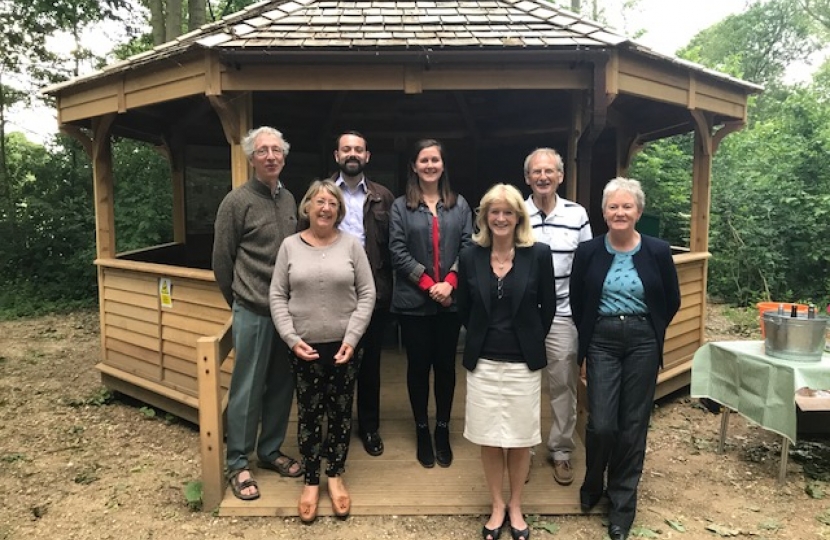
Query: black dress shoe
x=615 y=532
x=372 y=443
x=425 y=452
x=588 y=502
x=443 y=450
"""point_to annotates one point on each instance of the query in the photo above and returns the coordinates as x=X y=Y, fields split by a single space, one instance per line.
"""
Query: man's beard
x=351 y=167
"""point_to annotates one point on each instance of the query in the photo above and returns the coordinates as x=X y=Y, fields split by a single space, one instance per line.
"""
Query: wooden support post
x=103 y=187
x=176 y=152
x=211 y=433
x=573 y=140
x=701 y=182
x=701 y=201
x=236 y=115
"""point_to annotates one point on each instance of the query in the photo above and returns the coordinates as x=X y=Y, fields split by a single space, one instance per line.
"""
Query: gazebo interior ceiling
x=490 y=117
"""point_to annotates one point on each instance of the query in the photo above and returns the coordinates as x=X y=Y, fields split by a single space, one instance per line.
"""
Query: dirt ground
x=73 y=468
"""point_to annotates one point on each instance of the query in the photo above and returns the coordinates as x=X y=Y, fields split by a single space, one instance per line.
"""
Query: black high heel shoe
x=493 y=534
x=520 y=534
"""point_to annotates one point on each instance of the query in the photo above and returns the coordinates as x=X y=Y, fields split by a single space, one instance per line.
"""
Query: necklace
x=499 y=262
x=320 y=241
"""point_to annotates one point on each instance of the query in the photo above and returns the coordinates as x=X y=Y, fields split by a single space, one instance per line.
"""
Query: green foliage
x=758 y=44
x=49 y=223
x=665 y=170
x=771 y=206
x=98 y=398
x=148 y=413
x=143 y=196
x=193 y=494
x=13 y=457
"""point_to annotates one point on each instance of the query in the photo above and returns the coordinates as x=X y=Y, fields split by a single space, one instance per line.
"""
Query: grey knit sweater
x=250 y=226
x=322 y=294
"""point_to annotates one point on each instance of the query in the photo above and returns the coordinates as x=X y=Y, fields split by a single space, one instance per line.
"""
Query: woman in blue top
x=427 y=230
x=624 y=293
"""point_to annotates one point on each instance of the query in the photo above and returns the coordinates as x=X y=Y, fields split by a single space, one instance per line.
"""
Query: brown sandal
x=237 y=486
x=283 y=467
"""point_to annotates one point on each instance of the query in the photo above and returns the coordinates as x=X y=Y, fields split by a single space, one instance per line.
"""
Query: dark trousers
x=324 y=391
x=368 y=377
x=623 y=361
x=431 y=343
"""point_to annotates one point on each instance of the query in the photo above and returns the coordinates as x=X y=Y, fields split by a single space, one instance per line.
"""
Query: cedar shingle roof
x=366 y=25
x=418 y=23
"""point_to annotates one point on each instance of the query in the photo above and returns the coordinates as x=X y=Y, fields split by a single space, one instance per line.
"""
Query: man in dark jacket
x=367 y=217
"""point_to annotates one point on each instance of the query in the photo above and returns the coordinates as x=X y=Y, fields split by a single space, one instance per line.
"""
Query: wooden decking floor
x=395 y=483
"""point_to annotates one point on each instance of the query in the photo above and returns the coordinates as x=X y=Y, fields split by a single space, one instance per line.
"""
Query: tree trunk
x=174 y=19
x=576 y=5
x=196 y=14
x=157 y=20
x=7 y=210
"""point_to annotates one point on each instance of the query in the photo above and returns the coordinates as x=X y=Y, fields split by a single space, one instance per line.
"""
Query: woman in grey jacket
x=428 y=228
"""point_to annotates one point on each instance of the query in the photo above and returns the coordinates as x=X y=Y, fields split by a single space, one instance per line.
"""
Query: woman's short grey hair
x=550 y=152
x=249 y=140
x=627 y=185
x=326 y=186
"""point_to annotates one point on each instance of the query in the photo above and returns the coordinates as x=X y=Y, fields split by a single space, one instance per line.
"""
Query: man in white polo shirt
x=562 y=225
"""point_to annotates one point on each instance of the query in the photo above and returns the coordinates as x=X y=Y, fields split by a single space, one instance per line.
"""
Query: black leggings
x=324 y=391
x=431 y=343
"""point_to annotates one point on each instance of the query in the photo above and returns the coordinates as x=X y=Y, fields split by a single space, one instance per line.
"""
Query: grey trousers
x=562 y=372
x=261 y=391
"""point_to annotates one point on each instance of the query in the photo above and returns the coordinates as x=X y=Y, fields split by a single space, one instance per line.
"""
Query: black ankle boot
x=443 y=452
x=426 y=457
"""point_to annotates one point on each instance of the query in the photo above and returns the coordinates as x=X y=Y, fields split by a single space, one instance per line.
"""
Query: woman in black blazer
x=624 y=293
x=506 y=300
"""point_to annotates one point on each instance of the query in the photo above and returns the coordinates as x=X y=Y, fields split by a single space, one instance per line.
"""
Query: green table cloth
x=738 y=375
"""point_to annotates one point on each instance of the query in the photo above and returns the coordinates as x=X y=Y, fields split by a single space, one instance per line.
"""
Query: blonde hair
x=503 y=193
x=329 y=187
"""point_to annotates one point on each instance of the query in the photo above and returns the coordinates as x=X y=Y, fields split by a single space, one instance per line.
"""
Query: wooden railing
x=211 y=353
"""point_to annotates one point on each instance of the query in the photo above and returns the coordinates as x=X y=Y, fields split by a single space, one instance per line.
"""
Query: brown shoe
x=307 y=505
x=341 y=502
x=562 y=472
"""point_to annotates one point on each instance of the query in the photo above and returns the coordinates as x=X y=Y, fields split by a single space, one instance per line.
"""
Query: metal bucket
x=794 y=338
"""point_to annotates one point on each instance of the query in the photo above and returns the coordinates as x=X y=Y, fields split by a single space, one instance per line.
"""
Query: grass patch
x=193 y=493
x=13 y=457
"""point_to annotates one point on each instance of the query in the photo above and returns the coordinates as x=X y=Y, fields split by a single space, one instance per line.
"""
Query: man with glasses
x=251 y=223
x=367 y=217
x=562 y=225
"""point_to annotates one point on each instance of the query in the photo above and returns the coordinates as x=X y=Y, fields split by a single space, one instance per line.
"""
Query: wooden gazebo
x=493 y=79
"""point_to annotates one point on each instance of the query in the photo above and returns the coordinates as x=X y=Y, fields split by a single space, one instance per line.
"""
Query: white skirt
x=503 y=405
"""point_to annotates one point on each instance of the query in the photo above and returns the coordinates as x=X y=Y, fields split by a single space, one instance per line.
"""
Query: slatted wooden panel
x=198 y=310
x=131 y=323
x=684 y=334
x=156 y=344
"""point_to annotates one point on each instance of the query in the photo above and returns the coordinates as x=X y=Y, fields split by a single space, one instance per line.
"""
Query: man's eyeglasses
x=263 y=151
x=546 y=172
